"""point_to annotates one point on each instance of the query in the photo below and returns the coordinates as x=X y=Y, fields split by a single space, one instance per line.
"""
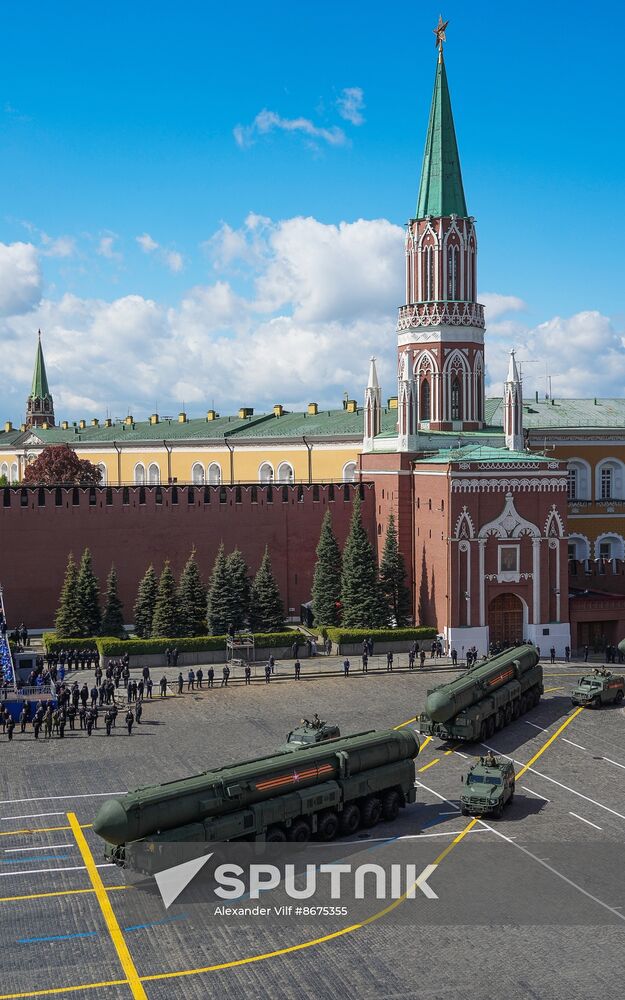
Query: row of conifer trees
x=169 y=609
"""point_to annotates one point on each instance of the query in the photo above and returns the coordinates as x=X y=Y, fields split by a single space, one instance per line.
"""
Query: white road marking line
x=466 y=756
x=437 y=794
x=584 y=820
x=534 y=726
x=40 y=871
x=51 y=798
x=4 y=819
x=615 y=762
x=554 y=871
x=48 y=847
x=564 y=740
x=453 y=812
x=575 y=792
x=532 y=792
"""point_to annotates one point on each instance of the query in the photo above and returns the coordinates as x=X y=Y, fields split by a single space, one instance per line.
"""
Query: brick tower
x=40 y=405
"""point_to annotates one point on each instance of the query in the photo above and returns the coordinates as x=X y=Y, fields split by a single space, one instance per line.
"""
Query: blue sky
x=120 y=168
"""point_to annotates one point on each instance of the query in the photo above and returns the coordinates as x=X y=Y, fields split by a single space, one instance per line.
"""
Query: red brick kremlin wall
x=157 y=523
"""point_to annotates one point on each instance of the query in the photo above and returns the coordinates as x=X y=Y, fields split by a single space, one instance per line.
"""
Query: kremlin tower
x=40 y=405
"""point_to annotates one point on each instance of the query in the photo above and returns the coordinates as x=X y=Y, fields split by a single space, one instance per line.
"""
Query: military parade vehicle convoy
x=601 y=687
x=321 y=790
x=488 y=788
x=486 y=697
x=310 y=732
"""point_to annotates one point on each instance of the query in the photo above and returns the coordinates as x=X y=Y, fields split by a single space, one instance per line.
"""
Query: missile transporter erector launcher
x=486 y=697
x=319 y=791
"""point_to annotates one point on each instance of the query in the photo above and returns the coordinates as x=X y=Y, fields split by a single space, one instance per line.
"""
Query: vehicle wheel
x=498 y=813
x=390 y=805
x=464 y=811
x=619 y=696
x=523 y=705
x=275 y=835
x=484 y=731
x=507 y=714
x=515 y=709
x=500 y=720
x=491 y=726
x=299 y=832
x=328 y=826
x=537 y=697
x=350 y=819
x=371 y=811
x=596 y=702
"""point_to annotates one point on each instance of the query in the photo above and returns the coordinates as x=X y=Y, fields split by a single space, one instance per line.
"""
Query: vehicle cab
x=488 y=787
x=309 y=733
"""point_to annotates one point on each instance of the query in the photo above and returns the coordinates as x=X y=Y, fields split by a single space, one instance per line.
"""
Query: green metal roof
x=39 y=388
x=550 y=414
x=441 y=191
x=481 y=453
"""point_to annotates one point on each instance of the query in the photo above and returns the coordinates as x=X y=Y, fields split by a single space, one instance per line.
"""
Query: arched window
x=578 y=547
x=479 y=395
x=4 y=470
x=104 y=473
x=15 y=475
x=285 y=472
x=154 y=474
x=197 y=474
x=609 y=546
x=452 y=272
x=578 y=478
x=265 y=473
x=214 y=474
x=609 y=480
x=425 y=408
x=139 y=474
x=349 y=472
x=429 y=273
x=456 y=398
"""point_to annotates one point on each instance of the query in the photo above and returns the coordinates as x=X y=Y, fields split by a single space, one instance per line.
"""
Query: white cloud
x=496 y=305
x=20 y=278
x=170 y=258
x=146 y=243
x=316 y=301
x=106 y=247
x=58 y=246
x=268 y=121
x=350 y=105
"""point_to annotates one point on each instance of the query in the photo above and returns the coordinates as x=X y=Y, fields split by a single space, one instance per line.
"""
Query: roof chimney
x=182 y=417
x=82 y=424
x=8 y=427
x=313 y=409
x=95 y=422
x=65 y=425
x=278 y=410
x=154 y=418
x=108 y=422
x=129 y=420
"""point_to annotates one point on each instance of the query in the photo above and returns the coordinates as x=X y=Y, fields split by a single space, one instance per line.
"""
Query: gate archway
x=505 y=619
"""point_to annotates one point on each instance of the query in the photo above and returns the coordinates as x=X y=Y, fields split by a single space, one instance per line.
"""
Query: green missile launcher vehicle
x=308 y=733
x=323 y=790
x=601 y=687
x=488 y=788
x=486 y=697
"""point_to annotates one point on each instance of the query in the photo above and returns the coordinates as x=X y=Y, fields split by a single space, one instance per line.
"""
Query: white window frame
x=213 y=476
x=198 y=476
x=350 y=478
x=265 y=472
x=280 y=477
x=507 y=572
x=154 y=480
x=139 y=475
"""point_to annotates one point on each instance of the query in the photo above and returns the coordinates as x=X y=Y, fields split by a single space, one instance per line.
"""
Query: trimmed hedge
x=54 y=645
x=340 y=635
x=196 y=644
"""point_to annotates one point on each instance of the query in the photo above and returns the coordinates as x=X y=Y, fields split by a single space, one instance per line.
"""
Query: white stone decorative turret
x=513 y=407
x=407 y=405
x=373 y=408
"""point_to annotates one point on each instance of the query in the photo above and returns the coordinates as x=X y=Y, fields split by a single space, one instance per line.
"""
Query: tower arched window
x=425 y=407
x=429 y=273
x=452 y=272
x=479 y=395
x=456 y=398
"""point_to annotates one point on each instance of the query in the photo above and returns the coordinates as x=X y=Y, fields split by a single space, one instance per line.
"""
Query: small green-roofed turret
x=441 y=191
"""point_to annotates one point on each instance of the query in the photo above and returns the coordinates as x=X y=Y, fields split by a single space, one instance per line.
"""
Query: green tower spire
x=39 y=389
x=441 y=191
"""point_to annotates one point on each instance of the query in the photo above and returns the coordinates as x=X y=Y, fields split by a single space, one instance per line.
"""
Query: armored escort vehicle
x=321 y=790
x=601 y=687
x=308 y=733
x=488 y=788
x=487 y=697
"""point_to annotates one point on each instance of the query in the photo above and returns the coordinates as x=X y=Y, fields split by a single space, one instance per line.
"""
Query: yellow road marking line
x=568 y=721
x=60 y=892
x=552 y=689
x=431 y=764
x=108 y=913
x=62 y=989
x=41 y=829
x=453 y=749
x=425 y=743
x=406 y=723
x=456 y=840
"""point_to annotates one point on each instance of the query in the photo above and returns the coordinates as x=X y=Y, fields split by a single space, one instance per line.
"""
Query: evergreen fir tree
x=90 y=615
x=240 y=589
x=165 y=622
x=67 y=624
x=113 y=615
x=326 y=589
x=219 y=600
x=144 y=605
x=393 y=578
x=192 y=599
x=360 y=591
x=266 y=607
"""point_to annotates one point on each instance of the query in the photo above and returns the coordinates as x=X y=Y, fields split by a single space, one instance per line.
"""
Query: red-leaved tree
x=59 y=464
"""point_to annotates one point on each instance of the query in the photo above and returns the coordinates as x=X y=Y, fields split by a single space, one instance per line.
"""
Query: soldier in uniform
x=129 y=721
x=36 y=726
x=389 y=661
x=267 y=673
x=148 y=685
x=298 y=668
x=108 y=722
x=71 y=715
x=138 y=712
x=199 y=676
x=181 y=682
x=365 y=661
x=211 y=676
x=345 y=667
x=24 y=717
x=316 y=722
x=248 y=674
x=226 y=675
x=89 y=724
x=163 y=686
x=10 y=727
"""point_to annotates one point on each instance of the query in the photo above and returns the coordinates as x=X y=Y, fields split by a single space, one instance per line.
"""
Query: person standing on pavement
x=226 y=675
x=267 y=674
x=138 y=712
x=129 y=721
x=181 y=682
x=210 y=673
x=248 y=673
x=346 y=667
x=199 y=677
x=365 y=660
x=191 y=680
x=389 y=661
x=552 y=654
